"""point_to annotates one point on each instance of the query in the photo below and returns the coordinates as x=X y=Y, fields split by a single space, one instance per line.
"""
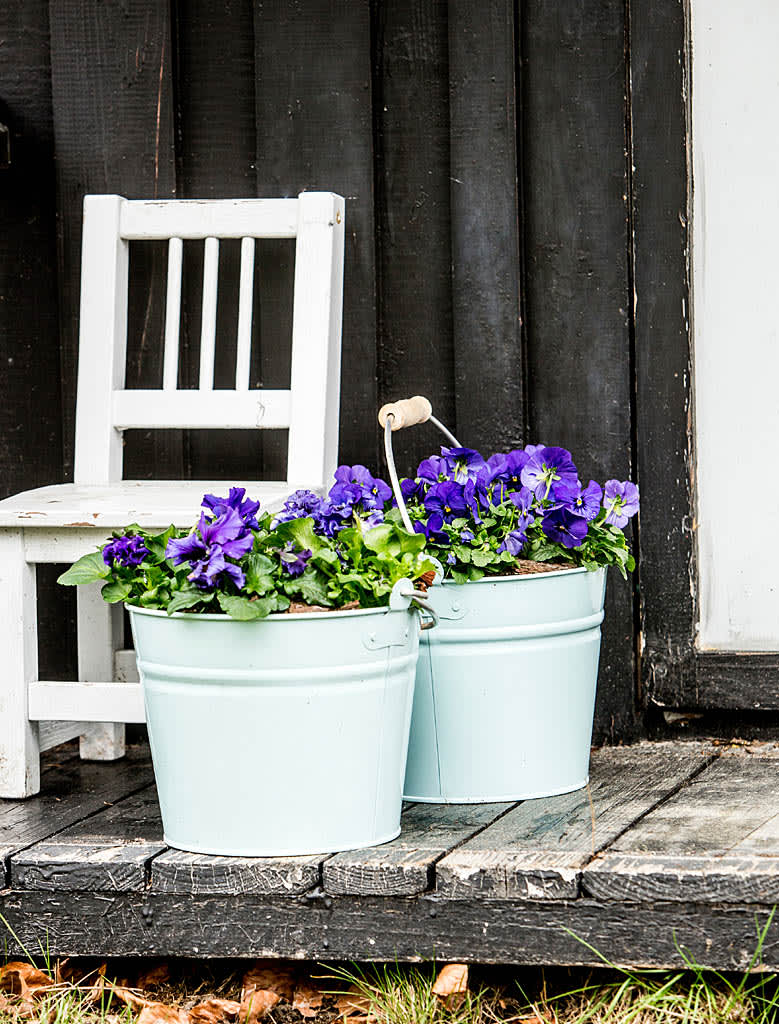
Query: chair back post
x=316 y=340
x=102 y=342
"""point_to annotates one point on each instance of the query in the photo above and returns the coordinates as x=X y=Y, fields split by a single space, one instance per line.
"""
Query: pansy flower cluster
x=357 y=498
x=325 y=553
x=480 y=515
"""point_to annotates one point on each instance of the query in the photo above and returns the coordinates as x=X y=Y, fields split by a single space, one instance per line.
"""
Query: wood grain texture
x=537 y=851
x=386 y=928
x=71 y=790
x=215 y=121
x=191 y=873
x=715 y=840
x=314 y=132
x=411 y=103
x=485 y=217
x=735 y=679
x=107 y=851
x=31 y=407
x=112 y=89
x=407 y=865
x=659 y=147
x=578 y=301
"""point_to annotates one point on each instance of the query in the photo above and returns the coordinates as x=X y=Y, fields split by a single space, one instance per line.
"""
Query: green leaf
x=116 y=591
x=462 y=553
x=311 y=587
x=459 y=577
x=258 y=570
x=188 y=599
x=242 y=608
x=380 y=538
x=300 y=532
x=158 y=542
x=483 y=558
x=475 y=574
x=87 y=569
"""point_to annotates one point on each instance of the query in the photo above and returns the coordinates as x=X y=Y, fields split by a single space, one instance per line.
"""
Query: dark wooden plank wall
x=485 y=153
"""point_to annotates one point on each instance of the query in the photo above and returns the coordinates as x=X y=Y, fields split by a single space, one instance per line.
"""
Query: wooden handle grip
x=407 y=412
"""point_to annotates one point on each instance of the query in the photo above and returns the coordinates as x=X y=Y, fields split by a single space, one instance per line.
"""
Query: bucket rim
x=273 y=617
x=519 y=577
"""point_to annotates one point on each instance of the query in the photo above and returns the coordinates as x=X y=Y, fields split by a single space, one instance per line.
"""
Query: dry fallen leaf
x=269 y=977
x=452 y=981
x=308 y=999
x=23 y=979
x=161 y=1013
x=214 y=1011
x=130 y=997
x=256 y=1004
x=354 y=1007
x=153 y=977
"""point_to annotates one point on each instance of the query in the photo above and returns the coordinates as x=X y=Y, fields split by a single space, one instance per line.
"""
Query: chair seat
x=150 y=504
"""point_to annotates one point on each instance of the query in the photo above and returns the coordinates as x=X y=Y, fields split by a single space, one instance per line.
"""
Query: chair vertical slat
x=208 y=327
x=245 y=302
x=170 y=370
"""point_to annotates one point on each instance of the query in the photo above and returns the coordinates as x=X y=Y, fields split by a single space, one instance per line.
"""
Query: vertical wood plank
x=314 y=132
x=659 y=117
x=416 y=354
x=485 y=226
x=215 y=124
x=578 y=285
x=30 y=393
x=112 y=97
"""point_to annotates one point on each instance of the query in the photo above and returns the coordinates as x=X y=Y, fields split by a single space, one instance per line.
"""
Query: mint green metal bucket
x=282 y=736
x=505 y=689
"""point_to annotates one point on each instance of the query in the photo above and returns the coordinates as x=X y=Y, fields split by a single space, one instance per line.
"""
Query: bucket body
x=282 y=736
x=505 y=689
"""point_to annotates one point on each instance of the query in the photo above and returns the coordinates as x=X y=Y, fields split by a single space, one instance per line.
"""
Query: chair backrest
x=309 y=409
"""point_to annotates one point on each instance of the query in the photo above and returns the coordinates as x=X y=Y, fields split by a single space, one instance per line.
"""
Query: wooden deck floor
x=675 y=848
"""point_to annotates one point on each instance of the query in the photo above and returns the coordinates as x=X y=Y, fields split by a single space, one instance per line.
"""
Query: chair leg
x=99 y=628
x=20 y=770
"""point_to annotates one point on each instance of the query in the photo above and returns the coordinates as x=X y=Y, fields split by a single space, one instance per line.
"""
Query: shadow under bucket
x=505 y=688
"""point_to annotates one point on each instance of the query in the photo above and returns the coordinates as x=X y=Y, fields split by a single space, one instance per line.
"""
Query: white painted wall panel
x=735 y=100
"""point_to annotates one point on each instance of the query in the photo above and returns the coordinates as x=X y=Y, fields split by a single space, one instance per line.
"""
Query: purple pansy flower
x=207 y=548
x=547 y=467
x=563 y=527
x=620 y=502
x=522 y=500
x=433 y=529
x=585 y=503
x=294 y=562
x=433 y=469
x=463 y=463
x=467 y=536
x=299 y=505
x=447 y=499
x=126 y=551
x=513 y=542
x=412 y=489
x=357 y=483
x=246 y=508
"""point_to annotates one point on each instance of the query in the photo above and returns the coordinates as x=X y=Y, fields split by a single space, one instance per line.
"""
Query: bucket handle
x=404 y=594
x=407 y=413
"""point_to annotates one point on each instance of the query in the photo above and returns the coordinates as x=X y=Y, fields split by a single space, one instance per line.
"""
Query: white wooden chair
x=62 y=522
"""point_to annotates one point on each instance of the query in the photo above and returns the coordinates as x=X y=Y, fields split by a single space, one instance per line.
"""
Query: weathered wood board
x=407 y=865
x=537 y=851
x=108 y=851
x=198 y=874
x=71 y=791
x=716 y=840
x=386 y=928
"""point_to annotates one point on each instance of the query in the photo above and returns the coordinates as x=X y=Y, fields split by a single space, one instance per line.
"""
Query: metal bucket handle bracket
x=402 y=597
